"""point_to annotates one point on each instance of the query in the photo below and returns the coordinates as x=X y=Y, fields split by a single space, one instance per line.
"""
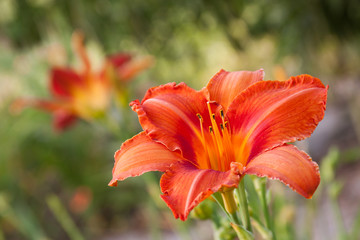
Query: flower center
x=216 y=140
x=92 y=100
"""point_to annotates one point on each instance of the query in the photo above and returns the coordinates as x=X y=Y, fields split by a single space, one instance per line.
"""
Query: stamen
x=227 y=144
x=222 y=116
x=227 y=152
x=203 y=140
x=216 y=154
x=222 y=113
x=201 y=124
x=217 y=139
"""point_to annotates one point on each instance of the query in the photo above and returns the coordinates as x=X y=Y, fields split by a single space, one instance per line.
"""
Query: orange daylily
x=85 y=94
x=206 y=141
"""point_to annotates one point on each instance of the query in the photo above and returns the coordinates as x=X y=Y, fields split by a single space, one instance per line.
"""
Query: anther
x=222 y=113
x=199 y=116
x=222 y=126
x=226 y=124
x=213 y=116
x=210 y=129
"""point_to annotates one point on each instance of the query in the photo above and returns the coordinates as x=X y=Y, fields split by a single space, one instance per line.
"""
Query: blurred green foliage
x=300 y=28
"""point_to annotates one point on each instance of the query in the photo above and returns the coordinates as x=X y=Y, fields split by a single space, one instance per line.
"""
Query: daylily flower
x=206 y=141
x=85 y=94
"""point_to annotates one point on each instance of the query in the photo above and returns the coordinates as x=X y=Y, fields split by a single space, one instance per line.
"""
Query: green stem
x=356 y=226
x=260 y=186
x=242 y=233
x=244 y=209
x=231 y=208
x=220 y=202
x=265 y=206
x=21 y=218
x=63 y=217
x=264 y=232
x=229 y=203
x=339 y=219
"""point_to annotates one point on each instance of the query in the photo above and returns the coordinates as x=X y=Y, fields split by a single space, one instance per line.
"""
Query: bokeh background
x=54 y=185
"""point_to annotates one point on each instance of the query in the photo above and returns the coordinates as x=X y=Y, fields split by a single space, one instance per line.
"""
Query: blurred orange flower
x=206 y=141
x=81 y=199
x=85 y=94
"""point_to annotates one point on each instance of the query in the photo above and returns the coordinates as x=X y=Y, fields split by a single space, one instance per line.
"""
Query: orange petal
x=63 y=82
x=185 y=186
x=119 y=60
x=79 y=49
x=62 y=113
x=289 y=165
x=50 y=106
x=168 y=114
x=132 y=68
x=63 y=119
x=139 y=155
x=271 y=113
x=225 y=86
